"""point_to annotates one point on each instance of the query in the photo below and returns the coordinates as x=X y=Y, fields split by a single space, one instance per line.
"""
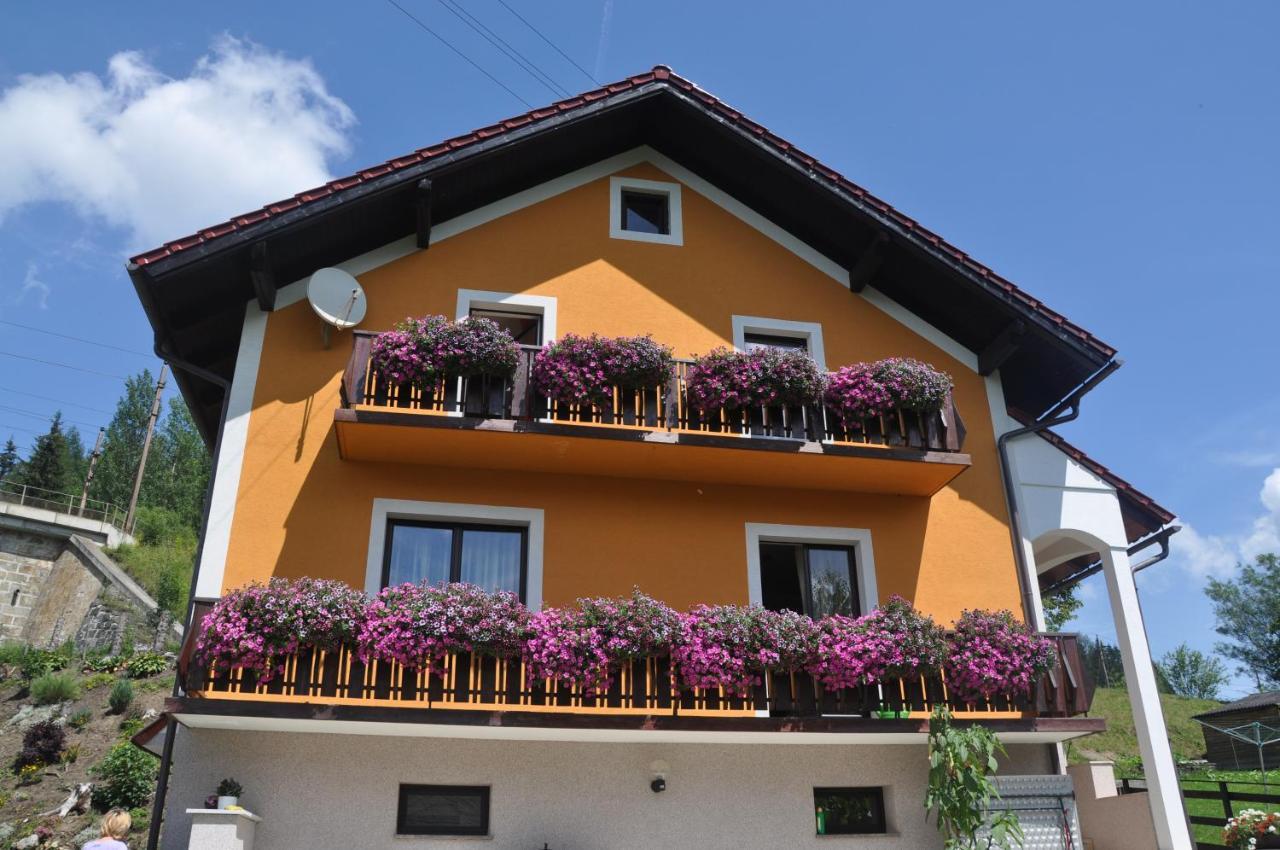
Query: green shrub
x=127 y=775
x=163 y=569
x=121 y=695
x=102 y=662
x=131 y=726
x=145 y=664
x=79 y=719
x=11 y=653
x=97 y=680
x=54 y=687
x=161 y=527
x=39 y=662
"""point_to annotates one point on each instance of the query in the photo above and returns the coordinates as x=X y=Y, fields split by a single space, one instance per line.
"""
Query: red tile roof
x=663 y=75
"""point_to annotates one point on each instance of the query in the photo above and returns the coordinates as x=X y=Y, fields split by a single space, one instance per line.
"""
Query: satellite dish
x=337 y=299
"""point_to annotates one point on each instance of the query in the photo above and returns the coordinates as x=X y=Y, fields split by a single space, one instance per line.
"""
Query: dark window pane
x=525 y=328
x=645 y=212
x=492 y=559
x=849 y=811
x=443 y=810
x=418 y=554
x=831 y=586
x=785 y=343
x=782 y=577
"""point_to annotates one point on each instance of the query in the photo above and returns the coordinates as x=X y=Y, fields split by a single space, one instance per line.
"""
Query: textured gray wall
x=339 y=791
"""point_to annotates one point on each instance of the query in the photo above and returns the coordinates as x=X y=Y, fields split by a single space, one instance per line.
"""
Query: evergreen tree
x=8 y=459
x=122 y=448
x=75 y=462
x=46 y=468
x=178 y=471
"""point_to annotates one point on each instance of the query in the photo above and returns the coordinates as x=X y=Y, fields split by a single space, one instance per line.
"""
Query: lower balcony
x=479 y=696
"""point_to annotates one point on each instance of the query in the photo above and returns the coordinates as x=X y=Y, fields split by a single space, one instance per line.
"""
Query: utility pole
x=93 y=461
x=146 y=449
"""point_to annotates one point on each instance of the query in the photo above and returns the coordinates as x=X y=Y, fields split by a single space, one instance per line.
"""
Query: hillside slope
x=1120 y=743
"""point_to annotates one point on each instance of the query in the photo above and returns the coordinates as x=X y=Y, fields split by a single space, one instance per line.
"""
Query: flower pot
x=905 y=714
x=227 y=802
x=886 y=715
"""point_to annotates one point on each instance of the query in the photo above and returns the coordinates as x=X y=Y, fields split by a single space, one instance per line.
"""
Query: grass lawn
x=1238 y=782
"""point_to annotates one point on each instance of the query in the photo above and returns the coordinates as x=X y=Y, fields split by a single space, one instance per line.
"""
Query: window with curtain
x=490 y=556
x=809 y=579
x=754 y=341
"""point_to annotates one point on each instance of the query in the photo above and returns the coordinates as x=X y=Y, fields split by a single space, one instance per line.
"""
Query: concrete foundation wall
x=319 y=790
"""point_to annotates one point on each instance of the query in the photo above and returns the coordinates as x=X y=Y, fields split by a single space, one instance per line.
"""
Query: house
x=645 y=207
x=1255 y=720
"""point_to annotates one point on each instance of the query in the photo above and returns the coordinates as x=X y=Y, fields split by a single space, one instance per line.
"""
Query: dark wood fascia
x=638 y=435
x=422 y=204
x=1002 y=347
x=264 y=279
x=619 y=722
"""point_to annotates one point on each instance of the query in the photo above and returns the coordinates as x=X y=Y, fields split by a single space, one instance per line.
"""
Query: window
x=490 y=556
x=443 y=810
x=809 y=579
x=751 y=332
x=645 y=210
x=525 y=328
x=849 y=811
x=786 y=343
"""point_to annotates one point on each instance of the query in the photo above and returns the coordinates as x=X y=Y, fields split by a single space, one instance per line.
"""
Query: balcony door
x=812 y=579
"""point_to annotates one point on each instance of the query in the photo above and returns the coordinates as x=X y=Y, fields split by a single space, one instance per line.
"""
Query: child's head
x=116 y=823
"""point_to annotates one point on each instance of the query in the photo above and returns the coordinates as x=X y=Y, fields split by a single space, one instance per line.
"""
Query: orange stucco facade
x=303 y=510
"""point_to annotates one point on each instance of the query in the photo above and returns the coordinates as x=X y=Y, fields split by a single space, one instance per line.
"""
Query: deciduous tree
x=1247 y=609
x=1191 y=673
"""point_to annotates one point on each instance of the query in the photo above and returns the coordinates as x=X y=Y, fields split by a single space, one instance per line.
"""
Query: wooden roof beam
x=1002 y=347
x=422 y=203
x=264 y=279
x=864 y=271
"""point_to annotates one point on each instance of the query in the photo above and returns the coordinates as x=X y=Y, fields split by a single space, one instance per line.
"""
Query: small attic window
x=645 y=211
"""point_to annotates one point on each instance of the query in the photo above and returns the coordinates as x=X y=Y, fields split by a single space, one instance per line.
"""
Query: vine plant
x=960 y=789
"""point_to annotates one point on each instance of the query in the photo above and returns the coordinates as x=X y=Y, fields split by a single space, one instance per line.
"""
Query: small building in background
x=1229 y=752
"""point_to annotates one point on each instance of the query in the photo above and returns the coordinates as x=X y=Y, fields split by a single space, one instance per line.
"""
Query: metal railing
x=654 y=408
x=62 y=503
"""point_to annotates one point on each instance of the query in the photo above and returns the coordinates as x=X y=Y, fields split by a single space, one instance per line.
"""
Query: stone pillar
x=1172 y=832
x=221 y=829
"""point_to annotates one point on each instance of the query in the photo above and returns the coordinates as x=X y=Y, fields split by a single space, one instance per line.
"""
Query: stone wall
x=56 y=586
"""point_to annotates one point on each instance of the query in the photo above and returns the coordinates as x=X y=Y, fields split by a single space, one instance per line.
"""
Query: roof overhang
x=194 y=291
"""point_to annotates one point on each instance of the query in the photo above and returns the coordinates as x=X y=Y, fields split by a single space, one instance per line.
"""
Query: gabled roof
x=1266 y=699
x=194 y=288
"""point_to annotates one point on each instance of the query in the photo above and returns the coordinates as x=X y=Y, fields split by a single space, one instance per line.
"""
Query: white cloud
x=162 y=156
x=1217 y=555
x=34 y=288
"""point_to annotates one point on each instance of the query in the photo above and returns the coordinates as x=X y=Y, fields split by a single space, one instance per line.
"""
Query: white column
x=1148 y=719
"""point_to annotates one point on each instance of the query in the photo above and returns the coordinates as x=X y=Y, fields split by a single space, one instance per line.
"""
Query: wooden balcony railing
x=656 y=408
x=643 y=687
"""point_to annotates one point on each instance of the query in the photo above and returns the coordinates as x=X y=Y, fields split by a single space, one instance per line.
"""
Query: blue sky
x=1117 y=160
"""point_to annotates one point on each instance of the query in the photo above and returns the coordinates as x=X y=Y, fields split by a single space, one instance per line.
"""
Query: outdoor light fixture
x=659 y=769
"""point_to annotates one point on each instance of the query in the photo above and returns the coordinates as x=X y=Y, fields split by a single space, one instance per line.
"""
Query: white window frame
x=675 y=220
x=385 y=510
x=810 y=332
x=514 y=302
x=858 y=538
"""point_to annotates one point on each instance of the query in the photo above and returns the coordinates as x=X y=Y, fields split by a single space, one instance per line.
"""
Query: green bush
x=102 y=662
x=130 y=726
x=127 y=775
x=145 y=664
x=162 y=527
x=80 y=719
x=121 y=695
x=163 y=570
x=11 y=653
x=97 y=680
x=54 y=687
x=39 y=662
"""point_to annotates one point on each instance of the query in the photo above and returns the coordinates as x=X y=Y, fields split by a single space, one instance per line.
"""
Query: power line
x=79 y=339
x=4 y=427
x=45 y=416
x=523 y=62
x=567 y=57
x=464 y=56
x=63 y=366
x=56 y=400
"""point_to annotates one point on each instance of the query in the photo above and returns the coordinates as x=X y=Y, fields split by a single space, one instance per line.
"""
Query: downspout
x=171 y=729
x=1065 y=411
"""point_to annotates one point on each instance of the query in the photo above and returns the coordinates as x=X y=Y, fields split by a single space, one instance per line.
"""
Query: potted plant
x=1251 y=829
x=420 y=353
x=728 y=382
x=992 y=654
x=229 y=792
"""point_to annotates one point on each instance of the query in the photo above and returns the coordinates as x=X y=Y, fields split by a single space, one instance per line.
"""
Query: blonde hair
x=116 y=824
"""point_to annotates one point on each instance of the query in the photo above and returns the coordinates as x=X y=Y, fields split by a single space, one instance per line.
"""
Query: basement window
x=645 y=211
x=443 y=810
x=849 y=811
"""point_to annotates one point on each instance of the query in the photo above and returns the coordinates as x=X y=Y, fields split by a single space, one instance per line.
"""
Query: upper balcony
x=490 y=423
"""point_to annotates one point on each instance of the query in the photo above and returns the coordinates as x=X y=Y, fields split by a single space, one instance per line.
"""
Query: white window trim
x=385 y=510
x=810 y=332
x=516 y=302
x=858 y=538
x=675 y=220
